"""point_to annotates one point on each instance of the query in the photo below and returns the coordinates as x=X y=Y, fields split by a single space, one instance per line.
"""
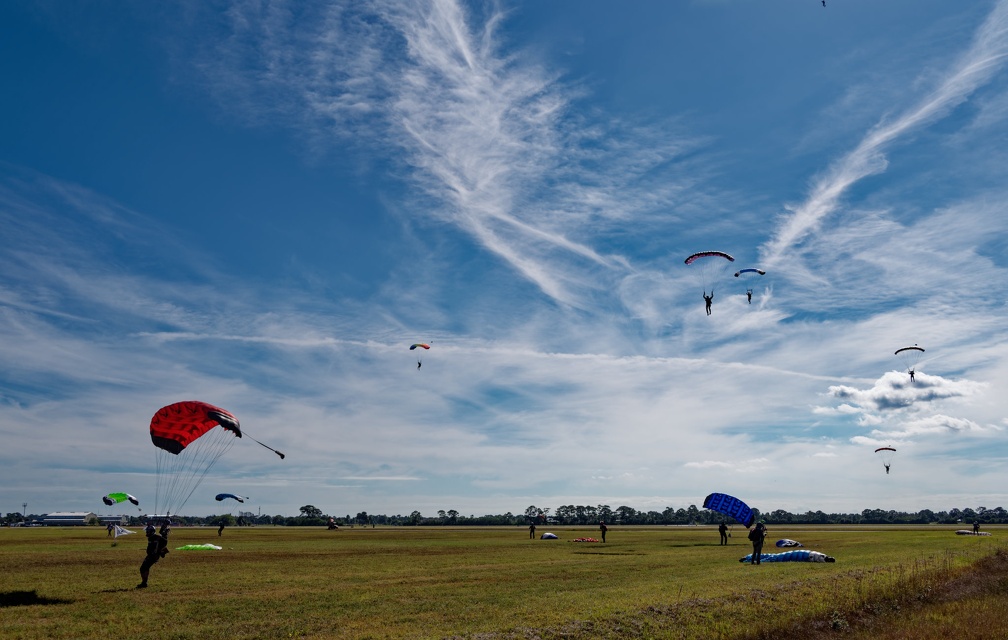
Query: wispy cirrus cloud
x=985 y=57
x=486 y=137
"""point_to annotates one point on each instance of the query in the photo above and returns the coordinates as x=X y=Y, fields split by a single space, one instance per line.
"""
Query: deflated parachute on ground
x=788 y=542
x=199 y=547
x=798 y=555
x=730 y=506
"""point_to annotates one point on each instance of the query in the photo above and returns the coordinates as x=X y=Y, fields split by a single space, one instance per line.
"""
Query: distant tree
x=415 y=518
x=362 y=518
x=625 y=514
x=310 y=511
x=452 y=516
x=441 y=514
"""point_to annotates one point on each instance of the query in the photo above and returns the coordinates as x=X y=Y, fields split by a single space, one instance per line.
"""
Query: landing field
x=435 y=582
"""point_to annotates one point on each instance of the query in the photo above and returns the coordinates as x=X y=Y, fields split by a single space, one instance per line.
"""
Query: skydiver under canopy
x=911 y=375
x=418 y=363
x=748 y=295
x=708 y=299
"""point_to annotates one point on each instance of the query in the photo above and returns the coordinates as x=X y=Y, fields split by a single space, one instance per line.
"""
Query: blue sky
x=262 y=205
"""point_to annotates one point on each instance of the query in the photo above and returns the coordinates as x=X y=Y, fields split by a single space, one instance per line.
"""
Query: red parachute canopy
x=176 y=426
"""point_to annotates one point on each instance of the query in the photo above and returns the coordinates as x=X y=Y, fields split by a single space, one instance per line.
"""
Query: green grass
x=434 y=582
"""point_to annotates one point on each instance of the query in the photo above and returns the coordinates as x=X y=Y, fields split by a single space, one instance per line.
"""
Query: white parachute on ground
x=120 y=531
x=548 y=536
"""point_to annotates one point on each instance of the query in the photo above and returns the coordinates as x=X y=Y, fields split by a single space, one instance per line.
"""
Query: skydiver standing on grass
x=723 y=530
x=757 y=535
x=154 y=542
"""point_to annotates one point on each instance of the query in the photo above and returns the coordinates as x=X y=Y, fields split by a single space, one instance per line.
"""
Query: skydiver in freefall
x=708 y=299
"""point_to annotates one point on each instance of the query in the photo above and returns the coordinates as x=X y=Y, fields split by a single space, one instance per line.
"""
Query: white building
x=69 y=518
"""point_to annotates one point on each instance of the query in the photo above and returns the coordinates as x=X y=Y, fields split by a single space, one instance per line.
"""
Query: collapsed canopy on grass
x=798 y=555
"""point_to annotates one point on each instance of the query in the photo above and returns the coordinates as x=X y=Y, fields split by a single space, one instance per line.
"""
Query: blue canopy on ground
x=798 y=555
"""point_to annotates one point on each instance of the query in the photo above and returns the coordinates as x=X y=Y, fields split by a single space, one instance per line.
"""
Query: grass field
x=435 y=582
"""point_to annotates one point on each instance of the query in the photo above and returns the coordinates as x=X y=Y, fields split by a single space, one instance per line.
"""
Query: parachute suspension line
x=179 y=475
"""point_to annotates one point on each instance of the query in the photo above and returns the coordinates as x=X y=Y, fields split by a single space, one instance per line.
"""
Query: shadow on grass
x=25 y=598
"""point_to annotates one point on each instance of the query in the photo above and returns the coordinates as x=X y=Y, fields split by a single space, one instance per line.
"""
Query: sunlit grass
x=439 y=582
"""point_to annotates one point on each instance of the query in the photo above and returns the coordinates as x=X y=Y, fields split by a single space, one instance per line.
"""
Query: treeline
x=311 y=516
x=623 y=515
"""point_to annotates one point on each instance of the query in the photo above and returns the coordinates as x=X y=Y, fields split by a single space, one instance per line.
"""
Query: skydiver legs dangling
x=748 y=294
x=708 y=299
x=417 y=364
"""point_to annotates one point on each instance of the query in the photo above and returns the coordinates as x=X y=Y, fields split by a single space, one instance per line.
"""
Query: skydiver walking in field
x=603 y=528
x=708 y=299
x=723 y=530
x=757 y=535
x=531 y=531
x=154 y=542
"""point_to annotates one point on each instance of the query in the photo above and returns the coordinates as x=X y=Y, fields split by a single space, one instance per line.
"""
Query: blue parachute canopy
x=220 y=497
x=730 y=506
x=798 y=555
